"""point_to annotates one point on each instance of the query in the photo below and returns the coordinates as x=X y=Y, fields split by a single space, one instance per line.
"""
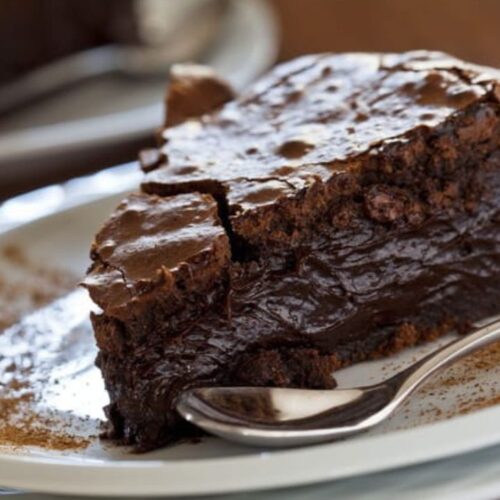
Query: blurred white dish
x=111 y=111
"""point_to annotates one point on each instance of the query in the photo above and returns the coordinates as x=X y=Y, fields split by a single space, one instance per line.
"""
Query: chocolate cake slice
x=343 y=208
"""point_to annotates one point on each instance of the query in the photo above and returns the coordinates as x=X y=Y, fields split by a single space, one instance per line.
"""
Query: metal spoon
x=276 y=417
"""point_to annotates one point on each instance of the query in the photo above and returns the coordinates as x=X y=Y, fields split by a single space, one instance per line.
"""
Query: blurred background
x=82 y=83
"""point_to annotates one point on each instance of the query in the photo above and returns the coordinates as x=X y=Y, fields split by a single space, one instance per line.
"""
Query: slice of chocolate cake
x=343 y=208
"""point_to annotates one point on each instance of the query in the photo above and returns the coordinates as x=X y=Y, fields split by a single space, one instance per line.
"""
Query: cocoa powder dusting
x=472 y=371
x=478 y=404
x=21 y=425
x=25 y=286
x=471 y=384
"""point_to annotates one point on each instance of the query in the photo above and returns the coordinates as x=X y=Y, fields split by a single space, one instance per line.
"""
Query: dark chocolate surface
x=148 y=240
x=302 y=121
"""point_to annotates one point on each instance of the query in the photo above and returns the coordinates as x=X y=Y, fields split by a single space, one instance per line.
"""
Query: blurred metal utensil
x=170 y=31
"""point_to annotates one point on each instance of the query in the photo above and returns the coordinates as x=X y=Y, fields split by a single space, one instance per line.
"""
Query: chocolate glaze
x=308 y=119
x=150 y=245
x=376 y=229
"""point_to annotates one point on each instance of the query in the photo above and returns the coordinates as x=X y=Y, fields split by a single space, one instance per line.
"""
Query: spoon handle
x=411 y=378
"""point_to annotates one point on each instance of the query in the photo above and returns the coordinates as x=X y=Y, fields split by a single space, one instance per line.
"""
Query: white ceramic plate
x=413 y=436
